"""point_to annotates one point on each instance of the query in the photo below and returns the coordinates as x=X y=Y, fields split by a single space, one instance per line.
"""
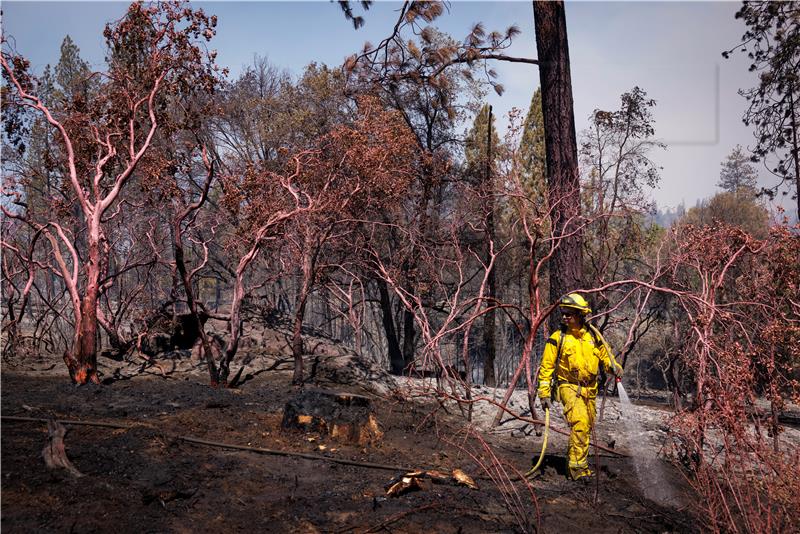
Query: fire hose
x=544 y=443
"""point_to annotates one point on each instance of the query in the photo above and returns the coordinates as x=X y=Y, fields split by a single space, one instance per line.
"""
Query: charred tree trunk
x=309 y=261
x=341 y=416
x=408 y=337
x=488 y=319
x=235 y=325
x=82 y=363
x=13 y=319
x=297 y=338
x=408 y=314
x=410 y=265
x=10 y=328
x=489 y=337
x=561 y=150
x=10 y=325
x=180 y=264
x=396 y=360
x=118 y=343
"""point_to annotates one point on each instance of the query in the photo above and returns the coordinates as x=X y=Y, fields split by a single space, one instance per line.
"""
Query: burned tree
x=422 y=79
x=361 y=170
x=566 y=271
x=106 y=144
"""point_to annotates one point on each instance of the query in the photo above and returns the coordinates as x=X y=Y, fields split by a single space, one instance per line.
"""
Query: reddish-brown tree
x=323 y=194
x=419 y=78
x=104 y=147
x=260 y=203
x=360 y=170
x=741 y=331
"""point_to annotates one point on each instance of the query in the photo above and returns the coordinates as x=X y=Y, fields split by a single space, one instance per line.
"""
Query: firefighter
x=568 y=373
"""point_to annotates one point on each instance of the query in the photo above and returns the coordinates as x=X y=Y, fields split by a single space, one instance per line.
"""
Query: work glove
x=546 y=403
x=616 y=370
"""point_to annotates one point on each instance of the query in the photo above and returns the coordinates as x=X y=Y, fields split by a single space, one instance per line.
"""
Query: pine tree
x=532 y=150
x=72 y=75
x=476 y=145
x=481 y=153
x=563 y=186
x=737 y=174
x=40 y=156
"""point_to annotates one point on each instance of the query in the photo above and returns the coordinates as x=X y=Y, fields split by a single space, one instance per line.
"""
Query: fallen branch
x=307 y=456
x=401 y=515
x=66 y=422
x=191 y=439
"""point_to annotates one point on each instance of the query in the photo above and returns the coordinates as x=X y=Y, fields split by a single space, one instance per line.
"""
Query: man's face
x=571 y=318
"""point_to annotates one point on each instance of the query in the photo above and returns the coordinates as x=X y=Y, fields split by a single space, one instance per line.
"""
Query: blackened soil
x=146 y=479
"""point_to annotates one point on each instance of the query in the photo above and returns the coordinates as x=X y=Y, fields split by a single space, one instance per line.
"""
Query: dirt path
x=142 y=479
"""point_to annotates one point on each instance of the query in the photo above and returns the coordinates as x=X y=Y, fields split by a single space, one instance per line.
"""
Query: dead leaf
x=404 y=485
x=462 y=478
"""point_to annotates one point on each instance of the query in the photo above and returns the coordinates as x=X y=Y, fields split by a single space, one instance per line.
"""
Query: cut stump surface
x=346 y=417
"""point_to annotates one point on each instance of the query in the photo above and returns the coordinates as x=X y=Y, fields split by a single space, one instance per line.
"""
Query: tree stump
x=55 y=453
x=343 y=416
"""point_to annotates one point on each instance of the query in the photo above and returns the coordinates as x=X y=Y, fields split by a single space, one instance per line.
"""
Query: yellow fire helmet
x=575 y=302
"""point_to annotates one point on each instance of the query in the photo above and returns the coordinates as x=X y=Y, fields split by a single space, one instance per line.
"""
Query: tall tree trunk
x=566 y=272
x=489 y=337
x=396 y=360
x=410 y=265
x=488 y=319
x=82 y=363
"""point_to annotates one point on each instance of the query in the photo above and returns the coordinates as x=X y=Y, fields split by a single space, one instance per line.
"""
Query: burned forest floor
x=149 y=470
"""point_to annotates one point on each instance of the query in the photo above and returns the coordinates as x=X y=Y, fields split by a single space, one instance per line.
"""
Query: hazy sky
x=670 y=49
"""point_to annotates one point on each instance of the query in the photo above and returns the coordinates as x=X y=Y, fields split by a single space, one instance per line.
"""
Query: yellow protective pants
x=579 y=411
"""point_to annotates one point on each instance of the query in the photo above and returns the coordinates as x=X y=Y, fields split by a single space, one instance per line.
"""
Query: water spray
x=648 y=469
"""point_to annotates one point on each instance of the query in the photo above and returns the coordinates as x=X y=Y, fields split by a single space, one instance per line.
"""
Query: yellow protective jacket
x=580 y=361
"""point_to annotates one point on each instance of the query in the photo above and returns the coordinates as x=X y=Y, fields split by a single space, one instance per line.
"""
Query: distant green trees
x=737 y=174
x=734 y=208
x=737 y=204
x=481 y=152
x=532 y=149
